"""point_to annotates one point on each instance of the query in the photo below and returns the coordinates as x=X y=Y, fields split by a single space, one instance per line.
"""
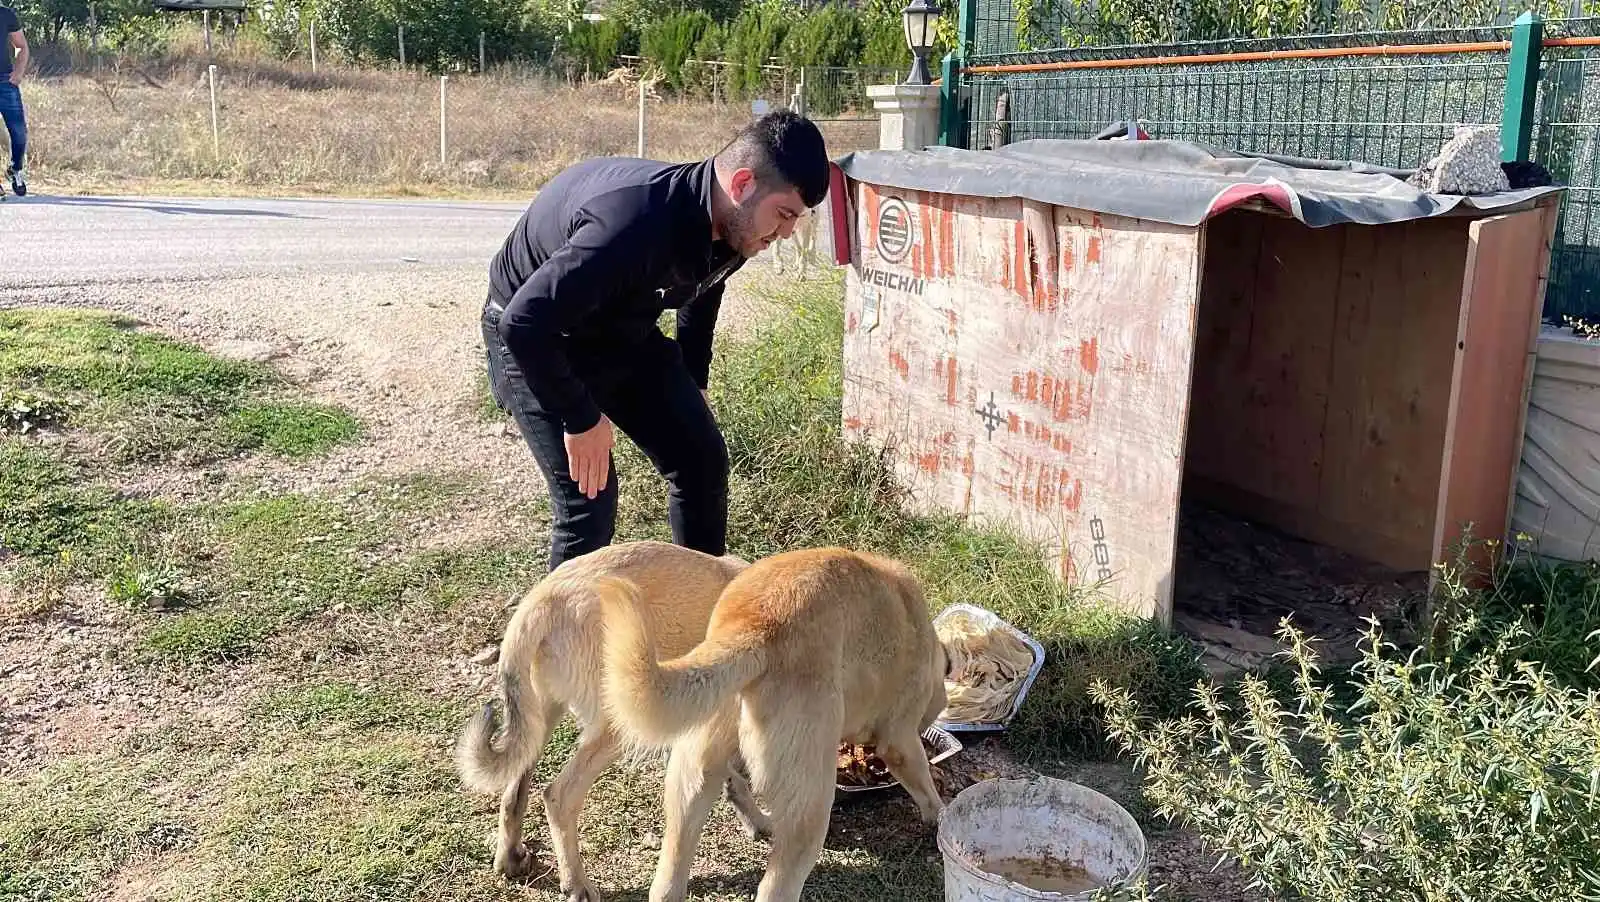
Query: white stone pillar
x=908 y=115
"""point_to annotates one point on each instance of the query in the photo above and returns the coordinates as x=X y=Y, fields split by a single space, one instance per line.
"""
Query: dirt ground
x=1235 y=580
x=402 y=349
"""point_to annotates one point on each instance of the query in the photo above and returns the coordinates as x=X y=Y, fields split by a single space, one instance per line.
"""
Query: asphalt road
x=55 y=241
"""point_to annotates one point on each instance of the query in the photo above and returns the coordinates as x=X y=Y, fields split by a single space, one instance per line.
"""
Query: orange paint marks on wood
x=950 y=371
x=1047 y=391
x=1005 y=261
x=1070 y=499
x=901 y=364
x=947 y=238
x=1069 y=252
x=968 y=466
x=852 y=422
x=1060 y=443
x=1016 y=386
x=1013 y=422
x=851 y=322
x=929 y=462
x=1089 y=355
x=926 y=212
x=1033 y=386
x=951 y=331
x=1019 y=259
x=1072 y=402
x=1094 y=249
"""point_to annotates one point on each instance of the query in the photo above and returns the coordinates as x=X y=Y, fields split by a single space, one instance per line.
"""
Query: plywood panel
x=1498 y=328
x=1029 y=366
x=1392 y=363
x=1263 y=357
x=1222 y=346
x=1330 y=422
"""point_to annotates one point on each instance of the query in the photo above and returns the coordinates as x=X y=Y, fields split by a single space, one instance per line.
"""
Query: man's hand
x=589 y=457
x=15 y=77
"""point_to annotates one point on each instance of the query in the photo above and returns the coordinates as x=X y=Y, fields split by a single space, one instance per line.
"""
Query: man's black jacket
x=584 y=276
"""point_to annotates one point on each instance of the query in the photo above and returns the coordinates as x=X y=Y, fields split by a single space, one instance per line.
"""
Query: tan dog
x=804 y=649
x=550 y=663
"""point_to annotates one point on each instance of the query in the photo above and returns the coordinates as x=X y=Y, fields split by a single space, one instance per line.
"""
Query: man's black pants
x=654 y=402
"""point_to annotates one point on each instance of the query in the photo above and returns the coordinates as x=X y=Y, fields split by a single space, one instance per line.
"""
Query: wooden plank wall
x=1507 y=266
x=1323 y=378
x=1029 y=365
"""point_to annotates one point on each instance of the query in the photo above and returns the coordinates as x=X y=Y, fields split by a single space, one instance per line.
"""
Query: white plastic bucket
x=1044 y=821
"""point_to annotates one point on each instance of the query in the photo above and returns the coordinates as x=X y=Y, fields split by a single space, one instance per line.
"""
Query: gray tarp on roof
x=1178 y=182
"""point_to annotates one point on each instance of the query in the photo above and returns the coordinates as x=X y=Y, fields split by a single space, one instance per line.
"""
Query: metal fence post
x=949 y=101
x=952 y=110
x=1522 y=87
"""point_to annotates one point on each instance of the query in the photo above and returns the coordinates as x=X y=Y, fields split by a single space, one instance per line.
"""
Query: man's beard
x=741 y=229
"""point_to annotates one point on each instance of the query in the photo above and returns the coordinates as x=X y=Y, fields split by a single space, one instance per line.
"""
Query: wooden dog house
x=1061 y=336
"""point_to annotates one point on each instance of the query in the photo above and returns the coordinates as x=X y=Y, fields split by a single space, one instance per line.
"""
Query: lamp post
x=920 y=18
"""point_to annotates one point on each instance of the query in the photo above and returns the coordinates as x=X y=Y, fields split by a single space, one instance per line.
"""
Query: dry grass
x=285 y=129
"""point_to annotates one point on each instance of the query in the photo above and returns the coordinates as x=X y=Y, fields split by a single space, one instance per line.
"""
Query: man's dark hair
x=782 y=147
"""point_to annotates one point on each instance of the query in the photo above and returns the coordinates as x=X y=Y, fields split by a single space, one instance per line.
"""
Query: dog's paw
x=581 y=891
x=515 y=861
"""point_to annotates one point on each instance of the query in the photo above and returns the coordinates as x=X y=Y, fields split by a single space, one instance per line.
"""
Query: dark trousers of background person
x=650 y=397
x=15 y=119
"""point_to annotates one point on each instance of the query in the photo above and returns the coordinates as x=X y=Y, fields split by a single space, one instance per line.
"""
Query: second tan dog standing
x=804 y=649
x=550 y=663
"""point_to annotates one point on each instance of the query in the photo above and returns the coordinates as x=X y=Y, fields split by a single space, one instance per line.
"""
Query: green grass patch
x=208 y=637
x=287 y=558
x=291 y=430
x=151 y=397
x=380 y=820
x=356 y=707
x=70 y=825
x=50 y=506
x=796 y=484
x=75 y=352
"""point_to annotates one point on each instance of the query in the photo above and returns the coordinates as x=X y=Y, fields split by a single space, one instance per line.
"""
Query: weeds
x=1464 y=771
x=22 y=412
x=144 y=584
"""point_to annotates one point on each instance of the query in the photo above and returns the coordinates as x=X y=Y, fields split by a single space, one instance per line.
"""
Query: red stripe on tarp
x=838 y=198
x=1238 y=194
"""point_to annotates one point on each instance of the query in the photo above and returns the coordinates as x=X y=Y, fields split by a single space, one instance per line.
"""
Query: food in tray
x=988 y=665
x=859 y=765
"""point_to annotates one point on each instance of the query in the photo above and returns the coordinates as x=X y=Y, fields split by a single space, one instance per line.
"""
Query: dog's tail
x=482 y=766
x=650 y=702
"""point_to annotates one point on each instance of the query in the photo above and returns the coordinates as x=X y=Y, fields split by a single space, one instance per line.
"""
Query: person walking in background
x=13 y=63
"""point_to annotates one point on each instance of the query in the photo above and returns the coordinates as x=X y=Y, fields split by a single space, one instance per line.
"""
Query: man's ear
x=742 y=185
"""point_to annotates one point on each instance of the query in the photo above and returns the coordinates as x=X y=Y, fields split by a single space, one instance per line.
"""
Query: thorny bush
x=1467 y=776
